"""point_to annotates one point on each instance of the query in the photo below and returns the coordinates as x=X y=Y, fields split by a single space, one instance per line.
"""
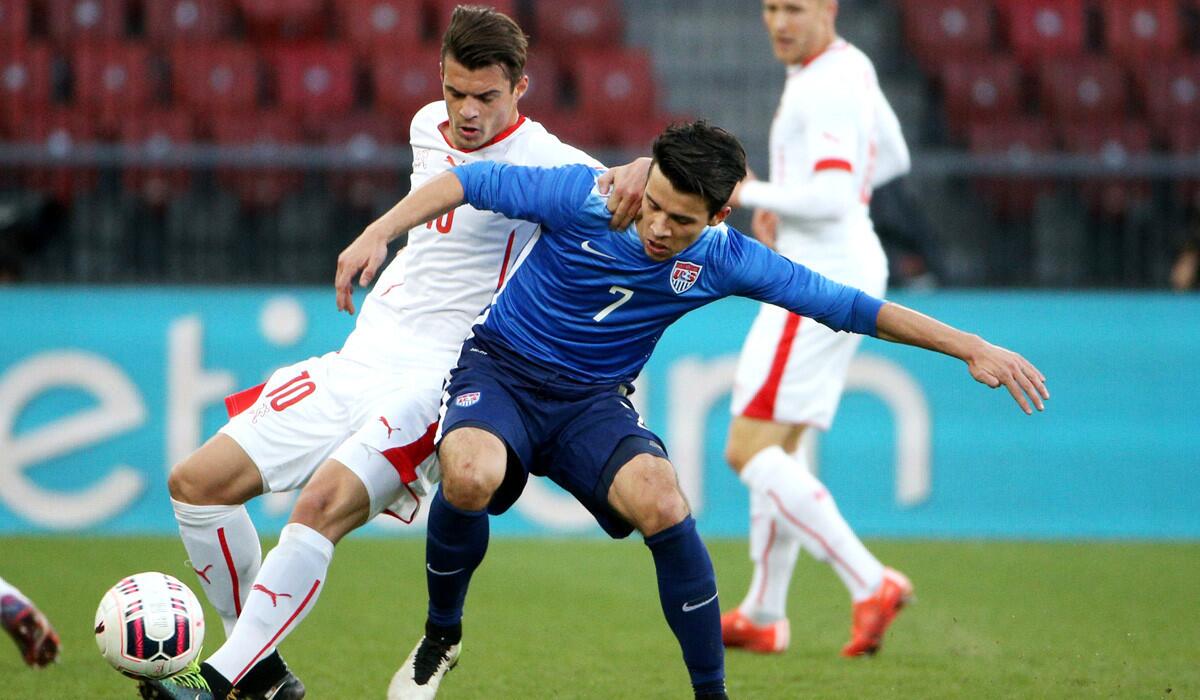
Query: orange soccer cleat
x=29 y=628
x=739 y=631
x=873 y=615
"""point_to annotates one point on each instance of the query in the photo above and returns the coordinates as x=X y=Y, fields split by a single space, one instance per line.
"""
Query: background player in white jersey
x=834 y=137
x=364 y=414
x=30 y=630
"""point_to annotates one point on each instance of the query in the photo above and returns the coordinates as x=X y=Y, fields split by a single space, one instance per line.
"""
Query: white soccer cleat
x=422 y=672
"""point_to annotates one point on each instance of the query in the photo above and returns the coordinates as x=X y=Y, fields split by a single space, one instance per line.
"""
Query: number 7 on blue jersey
x=626 y=295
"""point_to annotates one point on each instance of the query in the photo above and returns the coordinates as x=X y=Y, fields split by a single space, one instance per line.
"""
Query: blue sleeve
x=548 y=196
x=760 y=273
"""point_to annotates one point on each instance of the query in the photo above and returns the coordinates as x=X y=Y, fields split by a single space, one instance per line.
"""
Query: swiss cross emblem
x=684 y=275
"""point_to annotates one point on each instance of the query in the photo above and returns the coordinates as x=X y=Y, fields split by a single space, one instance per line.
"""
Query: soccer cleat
x=29 y=628
x=873 y=615
x=739 y=631
x=188 y=684
x=288 y=688
x=422 y=672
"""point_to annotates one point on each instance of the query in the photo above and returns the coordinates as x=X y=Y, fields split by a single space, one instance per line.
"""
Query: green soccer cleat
x=188 y=684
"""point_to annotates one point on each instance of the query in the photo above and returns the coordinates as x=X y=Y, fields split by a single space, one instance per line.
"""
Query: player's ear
x=720 y=215
x=521 y=86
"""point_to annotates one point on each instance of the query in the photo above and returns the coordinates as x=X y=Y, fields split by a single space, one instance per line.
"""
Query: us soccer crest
x=468 y=399
x=684 y=275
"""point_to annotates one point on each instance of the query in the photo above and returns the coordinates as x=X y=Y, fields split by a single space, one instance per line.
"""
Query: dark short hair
x=701 y=159
x=479 y=37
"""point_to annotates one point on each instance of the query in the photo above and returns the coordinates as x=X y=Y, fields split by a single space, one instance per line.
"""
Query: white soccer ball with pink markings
x=149 y=625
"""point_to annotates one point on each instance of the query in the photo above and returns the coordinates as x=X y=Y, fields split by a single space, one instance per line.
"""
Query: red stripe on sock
x=233 y=579
x=303 y=604
x=762 y=406
x=824 y=545
x=762 y=590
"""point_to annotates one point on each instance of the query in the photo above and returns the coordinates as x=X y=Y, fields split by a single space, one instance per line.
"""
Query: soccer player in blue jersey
x=541 y=387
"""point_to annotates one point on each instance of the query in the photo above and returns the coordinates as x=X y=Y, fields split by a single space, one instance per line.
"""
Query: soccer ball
x=149 y=625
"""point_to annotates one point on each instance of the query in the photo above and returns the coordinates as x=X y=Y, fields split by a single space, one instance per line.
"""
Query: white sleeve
x=892 y=158
x=827 y=196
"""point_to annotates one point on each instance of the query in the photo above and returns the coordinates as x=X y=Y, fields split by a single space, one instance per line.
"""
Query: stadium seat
x=403 y=82
x=25 y=84
x=987 y=88
x=1038 y=29
x=171 y=21
x=1170 y=90
x=112 y=81
x=60 y=130
x=443 y=8
x=258 y=186
x=941 y=30
x=1086 y=87
x=371 y=26
x=14 y=22
x=361 y=135
x=1016 y=140
x=215 y=79
x=314 y=81
x=1183 y=139
x=574 y=24
x=282 y=19
x=571 y=127
x=156 y=131
x=1113 y=143
x=636 y=136
x=1143 y=30
x=614 y=86
x=545 y=85
x=93 y=20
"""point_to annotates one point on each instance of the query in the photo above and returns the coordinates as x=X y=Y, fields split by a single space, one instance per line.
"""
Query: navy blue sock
x=455 y=542
x=687 y=588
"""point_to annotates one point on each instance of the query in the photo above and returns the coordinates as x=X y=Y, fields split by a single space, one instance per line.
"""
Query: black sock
x=444 y=634
x=218 y=684
x=264 y=675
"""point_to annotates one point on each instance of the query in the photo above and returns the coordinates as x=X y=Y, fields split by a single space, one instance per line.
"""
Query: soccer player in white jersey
x=833 y=139
x=365 y=415
x=30 y=630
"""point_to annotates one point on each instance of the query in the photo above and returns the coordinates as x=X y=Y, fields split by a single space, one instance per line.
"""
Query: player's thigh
x=297 y=421
x=749 y=436
x=334 y=501
x=218 y=473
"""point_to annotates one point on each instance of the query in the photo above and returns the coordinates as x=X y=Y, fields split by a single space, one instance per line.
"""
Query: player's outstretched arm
x=367 y=253
x=627 y=183
x=989 y=364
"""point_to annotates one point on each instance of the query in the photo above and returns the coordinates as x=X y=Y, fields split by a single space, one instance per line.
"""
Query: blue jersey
x=589 y=300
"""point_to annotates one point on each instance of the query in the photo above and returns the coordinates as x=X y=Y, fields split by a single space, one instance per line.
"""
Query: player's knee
x=664 y=510
x=470 y=483
x=736 y=456
x=188 y=483
x=332 y=506
x=651 y=494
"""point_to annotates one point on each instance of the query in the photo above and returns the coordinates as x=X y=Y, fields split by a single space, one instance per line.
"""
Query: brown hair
x=479 y=37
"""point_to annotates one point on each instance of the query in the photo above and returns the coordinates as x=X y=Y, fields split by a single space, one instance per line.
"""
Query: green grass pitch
x=580 y=619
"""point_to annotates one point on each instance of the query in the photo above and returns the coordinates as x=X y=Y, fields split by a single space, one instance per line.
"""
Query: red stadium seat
x=1016 y=140
x=941 y=30
x=405 y=82
x=545 y=85
x=1084 y=88
x=171 y=21
x=112 y=81
x=1041 y=28
x=574 y=24
x=14 y=22
x=1183 y=139
x=361 y=136
x=572 y=127
x=1113 y=144
x=614 y=87
x=314 y=81
x=636 y=136
x=155 y=132
x=61 y=131
x=282 y=19
x=375 y=25
x=217 y=78
x=78 y=20
x=443 y=8
x=981 y=89
x=258 y=186
x=25 y=85
x=1170 y=90
x=1142 y=30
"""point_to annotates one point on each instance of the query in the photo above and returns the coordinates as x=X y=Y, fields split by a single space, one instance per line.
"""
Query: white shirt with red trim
x=425 y=301
x=834 y=138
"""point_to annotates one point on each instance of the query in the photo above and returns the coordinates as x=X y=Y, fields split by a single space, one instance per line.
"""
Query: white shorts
x=379 y=423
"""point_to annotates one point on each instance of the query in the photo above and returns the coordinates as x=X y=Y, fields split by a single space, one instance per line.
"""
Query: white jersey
x=833 y=116
x=425 y=301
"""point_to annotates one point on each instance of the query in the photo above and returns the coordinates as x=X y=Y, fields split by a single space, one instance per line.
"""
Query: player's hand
x=366 y=255
x=995 y=366
x=764 y=226
x=626 y=183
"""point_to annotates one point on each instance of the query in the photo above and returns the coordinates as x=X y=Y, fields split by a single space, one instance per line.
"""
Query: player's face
x=799 y=29
x=671 y=220
x=480 y=103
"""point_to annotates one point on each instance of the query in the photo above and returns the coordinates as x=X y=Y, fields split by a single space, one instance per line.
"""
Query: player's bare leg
x=645 y=492
x=30 y=630
x=791 y=509
x=473 y=466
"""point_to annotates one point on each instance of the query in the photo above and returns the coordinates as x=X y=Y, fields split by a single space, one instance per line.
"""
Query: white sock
x=804 y=507
x=285 y=591
x=224 y=551
x=7 y=588
x=773 y=550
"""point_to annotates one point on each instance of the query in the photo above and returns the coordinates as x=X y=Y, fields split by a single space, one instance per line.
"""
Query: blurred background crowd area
x=1056 y=143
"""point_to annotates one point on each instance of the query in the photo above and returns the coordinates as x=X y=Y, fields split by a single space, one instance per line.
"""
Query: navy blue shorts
x=578 y=435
